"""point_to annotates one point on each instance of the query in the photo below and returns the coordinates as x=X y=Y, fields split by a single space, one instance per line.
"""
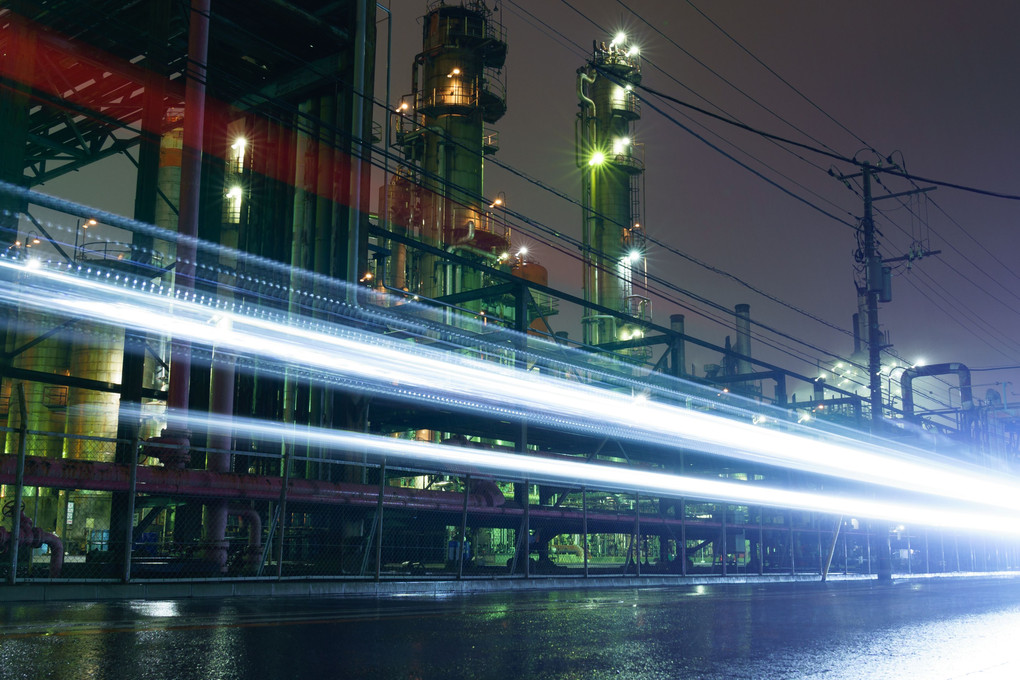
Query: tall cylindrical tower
x=457 y=87
x=612 y=167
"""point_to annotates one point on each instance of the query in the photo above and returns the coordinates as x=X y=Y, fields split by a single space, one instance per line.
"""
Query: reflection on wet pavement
x=941 y=629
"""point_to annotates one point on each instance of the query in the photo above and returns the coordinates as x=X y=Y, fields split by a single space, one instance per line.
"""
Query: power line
x=769 y=69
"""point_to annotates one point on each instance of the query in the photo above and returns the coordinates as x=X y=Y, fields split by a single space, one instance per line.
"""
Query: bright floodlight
x=634 y=255
x=523 y=251
x=620 y=38
x=597 y=158
x=633 y=51
x=235 y=192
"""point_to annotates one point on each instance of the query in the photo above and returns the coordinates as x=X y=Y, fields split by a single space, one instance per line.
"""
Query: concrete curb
x=183 y=589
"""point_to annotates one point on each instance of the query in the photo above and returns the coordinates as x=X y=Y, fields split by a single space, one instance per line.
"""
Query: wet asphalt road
x=938 y=629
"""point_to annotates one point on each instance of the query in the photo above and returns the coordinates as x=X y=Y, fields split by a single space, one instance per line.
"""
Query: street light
x=500 y=202
x=888 y=387
x=88 y=223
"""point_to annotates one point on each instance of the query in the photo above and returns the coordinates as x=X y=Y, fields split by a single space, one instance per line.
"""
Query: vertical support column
x=884 y=556
x=462 y=542
x=584 y=528
x=15 y=103
x=793 y=545
x=521 y=326
x=379 y=520
x=822 y=566
x=527 y=529
x=281 y=534
x=129 y=511
x=19 y=486
x=637 y=533
x=191 y=181
x=724 y=549
x=682 y=552
x=147 y=189
x=761 y=541
x=867 y=545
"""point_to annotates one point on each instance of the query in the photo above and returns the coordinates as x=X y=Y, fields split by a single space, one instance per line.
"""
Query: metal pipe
x=389 y=116
x=907 y=390
x=584 y=527
x=357 y=150
x=218 y=458
x=254 y=522
x=191 y=184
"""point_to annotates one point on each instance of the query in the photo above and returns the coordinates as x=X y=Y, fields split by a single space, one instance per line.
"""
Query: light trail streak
x=403 y=368
x=515 y=467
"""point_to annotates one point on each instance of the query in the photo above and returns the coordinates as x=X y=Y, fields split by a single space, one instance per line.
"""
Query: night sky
x=932 y=79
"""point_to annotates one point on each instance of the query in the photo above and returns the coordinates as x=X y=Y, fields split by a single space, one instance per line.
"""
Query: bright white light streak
x=463 y=461
x=401 y=366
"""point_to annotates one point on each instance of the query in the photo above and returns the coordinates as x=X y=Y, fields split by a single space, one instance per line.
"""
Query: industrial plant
x=318 y=349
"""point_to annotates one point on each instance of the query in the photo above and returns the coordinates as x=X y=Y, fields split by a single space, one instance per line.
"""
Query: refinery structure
x=317 y=350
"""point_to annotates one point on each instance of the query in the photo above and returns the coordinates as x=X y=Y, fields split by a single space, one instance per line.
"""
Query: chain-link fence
x=322 y=516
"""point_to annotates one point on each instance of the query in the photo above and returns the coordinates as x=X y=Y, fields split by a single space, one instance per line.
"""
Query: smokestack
x=678 y=355
x=743 y=346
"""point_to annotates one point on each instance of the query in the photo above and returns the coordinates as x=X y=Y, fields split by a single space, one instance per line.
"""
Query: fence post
x=637 y=534
x=463 y=528
x=761 y=541
x=793 y=545
x=19 y=482
x=682 y=552
x=527 y=529
x=285 y=461
x=379 y=520
x=129 y=529
x=724 y=546
x=584 y=528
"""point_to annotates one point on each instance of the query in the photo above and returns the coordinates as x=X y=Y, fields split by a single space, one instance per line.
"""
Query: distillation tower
x=436 y=198
x=612 y=173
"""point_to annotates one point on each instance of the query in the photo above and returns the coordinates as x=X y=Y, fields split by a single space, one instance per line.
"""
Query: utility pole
x=873 y=282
